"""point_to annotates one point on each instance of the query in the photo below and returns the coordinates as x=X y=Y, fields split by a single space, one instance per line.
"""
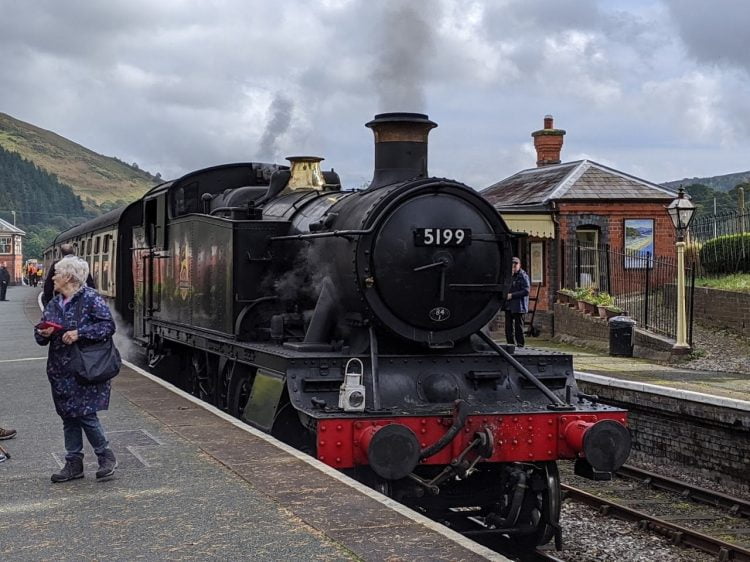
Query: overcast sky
x=658 y=89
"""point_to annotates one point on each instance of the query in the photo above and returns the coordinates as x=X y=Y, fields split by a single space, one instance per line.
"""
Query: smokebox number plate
x=442 y=236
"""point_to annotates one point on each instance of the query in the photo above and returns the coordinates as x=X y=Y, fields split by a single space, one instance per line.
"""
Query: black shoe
x=7 y=433
x=72 y=470
x=107 y=464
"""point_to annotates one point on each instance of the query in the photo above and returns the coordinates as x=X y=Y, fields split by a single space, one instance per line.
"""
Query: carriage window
x=106 y=243
x=96 y=245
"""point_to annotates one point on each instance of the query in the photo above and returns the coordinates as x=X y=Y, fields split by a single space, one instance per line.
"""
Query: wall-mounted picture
x=639 y=243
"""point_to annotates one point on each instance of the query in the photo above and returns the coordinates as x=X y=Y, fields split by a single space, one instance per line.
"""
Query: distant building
x=560 y=205
x=11 y=250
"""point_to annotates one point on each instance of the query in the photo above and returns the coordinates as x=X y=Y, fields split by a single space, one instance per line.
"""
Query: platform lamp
x=681 y=211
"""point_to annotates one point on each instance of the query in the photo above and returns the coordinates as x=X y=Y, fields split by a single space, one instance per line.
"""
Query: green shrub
x=584 y=293
x=727 y=254
x=604 y=299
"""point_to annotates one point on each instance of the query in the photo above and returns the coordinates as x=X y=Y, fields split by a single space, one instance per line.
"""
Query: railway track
x=689 y=515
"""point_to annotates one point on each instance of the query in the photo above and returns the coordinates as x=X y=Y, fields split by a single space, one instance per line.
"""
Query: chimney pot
x=548 y=120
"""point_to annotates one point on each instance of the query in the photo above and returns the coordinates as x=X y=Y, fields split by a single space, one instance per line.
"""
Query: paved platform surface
x=191 y=484
x=729 y=385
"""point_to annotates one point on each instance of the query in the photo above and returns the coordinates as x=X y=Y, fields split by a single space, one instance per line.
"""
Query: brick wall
x=575 y=327
x=722 y=309
x=708 y=440
x=610 y=216
x=543 y=321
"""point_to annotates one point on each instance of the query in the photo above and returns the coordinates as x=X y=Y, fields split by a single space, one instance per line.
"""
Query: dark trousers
x=514 y=328
x=73 y=429
x=3 y=289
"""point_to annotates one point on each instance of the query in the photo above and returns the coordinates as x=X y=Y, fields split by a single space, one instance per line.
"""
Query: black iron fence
x=641 y=285
x=720 y=244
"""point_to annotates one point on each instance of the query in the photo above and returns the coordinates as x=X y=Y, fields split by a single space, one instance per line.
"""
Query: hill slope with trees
x=726 y=182
x=43 y=205
x=96 y=179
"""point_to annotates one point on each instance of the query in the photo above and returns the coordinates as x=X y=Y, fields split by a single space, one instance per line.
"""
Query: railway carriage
x=351 y=325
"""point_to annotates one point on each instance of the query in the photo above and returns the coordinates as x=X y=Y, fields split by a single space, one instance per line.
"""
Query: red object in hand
x=47 y=324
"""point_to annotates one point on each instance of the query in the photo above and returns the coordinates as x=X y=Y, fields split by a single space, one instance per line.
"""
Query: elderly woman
x=77 y=404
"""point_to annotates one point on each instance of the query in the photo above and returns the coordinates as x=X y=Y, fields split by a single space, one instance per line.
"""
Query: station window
x=5 y=244
x=19 y=249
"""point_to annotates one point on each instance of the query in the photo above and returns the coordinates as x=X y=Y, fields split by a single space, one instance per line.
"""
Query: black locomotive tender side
x=350 y=324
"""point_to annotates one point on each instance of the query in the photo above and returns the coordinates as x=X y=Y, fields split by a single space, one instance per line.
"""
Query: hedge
x=727 y=254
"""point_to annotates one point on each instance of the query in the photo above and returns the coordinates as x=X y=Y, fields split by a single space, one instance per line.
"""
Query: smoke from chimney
x=278 y=124
x=406 y=41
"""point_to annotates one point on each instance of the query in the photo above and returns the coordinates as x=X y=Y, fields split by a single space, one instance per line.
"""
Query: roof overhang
x=539 y=225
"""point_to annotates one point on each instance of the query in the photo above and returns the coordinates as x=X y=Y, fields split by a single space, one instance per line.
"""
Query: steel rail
x=678 y=534
x=736 y=506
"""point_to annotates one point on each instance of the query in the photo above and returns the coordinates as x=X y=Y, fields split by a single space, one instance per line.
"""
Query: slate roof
x=580 y=180
x=6 y=227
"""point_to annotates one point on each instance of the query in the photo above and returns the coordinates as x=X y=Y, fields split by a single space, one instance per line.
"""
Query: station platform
x=594 y=365
x=192 y=482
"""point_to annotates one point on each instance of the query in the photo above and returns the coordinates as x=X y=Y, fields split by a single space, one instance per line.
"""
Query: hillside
x=719 y=183
x=91 y=175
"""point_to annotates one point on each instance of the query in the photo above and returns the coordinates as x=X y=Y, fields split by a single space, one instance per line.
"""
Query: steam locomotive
x=351 y=325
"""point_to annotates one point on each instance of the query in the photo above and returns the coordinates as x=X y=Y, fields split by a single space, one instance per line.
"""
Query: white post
x=681 y=346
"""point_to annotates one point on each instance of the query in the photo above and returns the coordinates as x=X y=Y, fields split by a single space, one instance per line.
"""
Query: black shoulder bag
x=96 y=362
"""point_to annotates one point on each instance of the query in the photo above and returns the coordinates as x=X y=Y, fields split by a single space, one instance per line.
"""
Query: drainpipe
x=560 y=258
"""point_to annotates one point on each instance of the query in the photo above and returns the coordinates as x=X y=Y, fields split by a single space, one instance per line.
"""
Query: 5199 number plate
x=442 y=236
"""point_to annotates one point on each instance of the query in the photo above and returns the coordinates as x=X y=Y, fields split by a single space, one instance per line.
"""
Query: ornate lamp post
x=681 y=211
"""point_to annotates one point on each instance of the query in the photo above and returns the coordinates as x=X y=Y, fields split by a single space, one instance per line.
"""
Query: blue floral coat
x=72 y=399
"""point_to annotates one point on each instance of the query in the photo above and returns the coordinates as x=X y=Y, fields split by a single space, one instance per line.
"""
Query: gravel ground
x=692 y=476
x=719 y=350
x=591 y=537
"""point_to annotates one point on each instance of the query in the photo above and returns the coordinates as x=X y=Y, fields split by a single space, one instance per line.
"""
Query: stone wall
x=709 y=439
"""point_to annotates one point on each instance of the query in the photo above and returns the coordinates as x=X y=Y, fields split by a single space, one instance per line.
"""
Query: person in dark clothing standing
x=516 y=305
x=4 y=281
x=49 y=285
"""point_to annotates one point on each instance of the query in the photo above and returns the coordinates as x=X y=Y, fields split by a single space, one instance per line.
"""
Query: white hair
x=74 y=266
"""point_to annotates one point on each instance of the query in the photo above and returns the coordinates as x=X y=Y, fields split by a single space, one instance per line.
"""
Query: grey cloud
x=176 y=86
x=714 y=32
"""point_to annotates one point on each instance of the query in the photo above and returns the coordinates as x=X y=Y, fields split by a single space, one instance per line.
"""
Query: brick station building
x=11 y=247
x=559 y=204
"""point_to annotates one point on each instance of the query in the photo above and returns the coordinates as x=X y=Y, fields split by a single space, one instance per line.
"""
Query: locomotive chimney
x=548 y=143
x=400 y=146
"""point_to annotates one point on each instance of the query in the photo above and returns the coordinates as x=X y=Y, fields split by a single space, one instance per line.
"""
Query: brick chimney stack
x=548 y=143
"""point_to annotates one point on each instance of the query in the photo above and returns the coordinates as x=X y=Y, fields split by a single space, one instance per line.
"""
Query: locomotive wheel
x=198 y=381
x=542 y=508
x=222 y=385
x=238 y=394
